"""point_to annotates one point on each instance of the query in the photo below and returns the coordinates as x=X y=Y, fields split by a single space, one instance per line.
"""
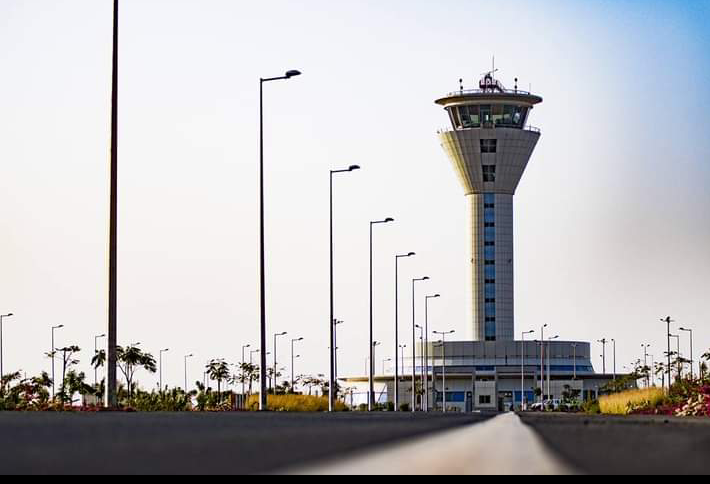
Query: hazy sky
x=612 y=215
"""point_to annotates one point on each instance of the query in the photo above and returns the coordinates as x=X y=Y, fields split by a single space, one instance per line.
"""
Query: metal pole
x=396 y=334
x=443 y=353
x=614 y=342
x=370 y=403
x=112 y=384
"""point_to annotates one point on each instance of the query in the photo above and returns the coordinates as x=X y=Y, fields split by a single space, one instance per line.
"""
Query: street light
x=371 y=404
x=263 y=399
x=186 y=358
x=331 y=324
x=276 y=336
x=96 y=352
x=371 y=368
x=414 y=341
x=401 y=352
x=542 y=363
x=645 y=360
x=397 y=346
x=426 y=349
x=603 y=341
x=421 y=359
x=242 y=369
x=522 y=370
x=443 y=349
x=3 y=316
x=161 y=367
x=293 y=358
x=614 y=343
x=384 y=363
x=692 y=372
x=668 y=321
x=680 y=368
x=54 y=328
x=549 y=350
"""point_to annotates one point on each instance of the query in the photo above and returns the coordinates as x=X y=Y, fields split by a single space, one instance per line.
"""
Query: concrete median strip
x=503 y=445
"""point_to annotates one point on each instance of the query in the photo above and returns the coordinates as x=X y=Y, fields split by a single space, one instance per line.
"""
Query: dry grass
x=294 y=403
x=626 y=402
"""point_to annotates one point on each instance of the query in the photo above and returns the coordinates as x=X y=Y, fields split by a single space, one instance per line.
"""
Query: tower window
x=490 y=244
x=490 y=301
x=490 y=262
x=489 y=145
x=489 y=173
x=490 y=224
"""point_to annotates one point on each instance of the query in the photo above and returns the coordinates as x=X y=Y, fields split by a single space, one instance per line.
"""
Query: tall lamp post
x=276 y=336
x=614 y=344
x=3 y=316
x=542 y=363
x=384 y=367
x=421 y=361
x=603 y=341
x=549 y=378
x=680 y=368
x=692 y=362
x=54 y=328
x=397 y=346
x=112 y=356
x=161 y=367
x=522 y=370
x=244 y=362
x=401 y=353
x=96 y=352
x=293 y=360
x=186 y=358
x=414 y=341
x=443 y=373
x=263 y=399
x=371 y=403
x=331 y=324
x=645 y=360
x=668 y=321
x=335 y=347
x=371 y=368
x=426 y=349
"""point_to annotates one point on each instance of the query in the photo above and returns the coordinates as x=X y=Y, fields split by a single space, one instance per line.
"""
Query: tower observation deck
x=490 y=145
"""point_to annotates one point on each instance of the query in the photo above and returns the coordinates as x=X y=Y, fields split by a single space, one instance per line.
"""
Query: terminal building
x=489 y=144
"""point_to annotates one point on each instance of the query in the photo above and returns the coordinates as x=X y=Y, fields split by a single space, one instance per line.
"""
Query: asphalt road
x=627 y=445
x=196 y=443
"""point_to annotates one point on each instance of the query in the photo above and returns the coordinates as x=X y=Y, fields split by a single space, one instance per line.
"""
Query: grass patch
x=294 y=403
x=627 y=402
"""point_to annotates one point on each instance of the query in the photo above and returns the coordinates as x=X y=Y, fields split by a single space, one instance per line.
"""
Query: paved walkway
x=503 y=445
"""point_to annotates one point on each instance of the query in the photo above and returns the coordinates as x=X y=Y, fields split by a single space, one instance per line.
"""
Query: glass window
x=489 y=225
x=490 y=291
x=455 y=120
x=490 y=252
x=489 y=233
x=489 y=145
x=491 y=310
x=489 y=173
x=497 y=113
x=489 y=215
x=469 y=116
x=490 y=272
x=486 y=113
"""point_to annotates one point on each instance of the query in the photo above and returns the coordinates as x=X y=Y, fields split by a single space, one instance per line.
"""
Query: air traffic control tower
x=490 y=145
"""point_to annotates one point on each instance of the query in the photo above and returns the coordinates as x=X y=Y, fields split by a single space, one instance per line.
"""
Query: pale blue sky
x=612 y=219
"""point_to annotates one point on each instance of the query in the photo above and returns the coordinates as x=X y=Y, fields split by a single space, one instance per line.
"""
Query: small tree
x=130 y=360
x=68 y=361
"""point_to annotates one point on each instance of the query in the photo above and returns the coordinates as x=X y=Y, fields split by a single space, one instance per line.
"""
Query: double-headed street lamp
x=371 y=403
x=397 y=346
x=443 y=350
x=426 y=349
x=692 y=371
x=332 y=322
x=186 y=358
x=3 y=316
x=54 y=328
x=293 y=361
x=263 y=399
x=414 y=341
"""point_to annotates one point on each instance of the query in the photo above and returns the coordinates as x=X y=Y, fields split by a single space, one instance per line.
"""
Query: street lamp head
x=293 y=73
x=354 y=168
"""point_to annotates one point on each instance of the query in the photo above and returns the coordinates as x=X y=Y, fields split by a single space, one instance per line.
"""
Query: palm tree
x=130 y=360
x=218 y=370
x=68 y=361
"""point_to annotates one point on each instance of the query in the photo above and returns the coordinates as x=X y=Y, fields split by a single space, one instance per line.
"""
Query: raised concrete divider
x=502 y=445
